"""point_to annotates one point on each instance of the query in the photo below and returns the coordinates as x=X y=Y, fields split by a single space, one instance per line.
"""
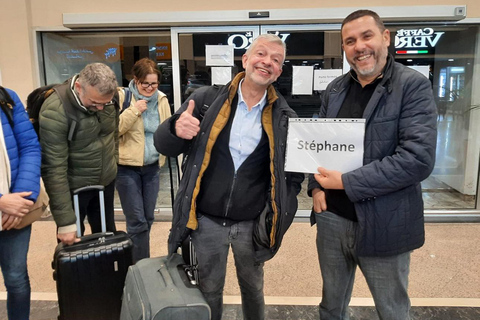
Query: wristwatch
x=135 y=110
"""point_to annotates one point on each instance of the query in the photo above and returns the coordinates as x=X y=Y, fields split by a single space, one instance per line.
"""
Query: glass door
x=313 y=53
x=194 y=53
x=312 y=50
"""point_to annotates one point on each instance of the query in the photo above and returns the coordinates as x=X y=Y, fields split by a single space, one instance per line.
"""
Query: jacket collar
x=74 y=93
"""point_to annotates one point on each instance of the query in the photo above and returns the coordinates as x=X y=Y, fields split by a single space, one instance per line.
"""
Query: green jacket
x=89 y=159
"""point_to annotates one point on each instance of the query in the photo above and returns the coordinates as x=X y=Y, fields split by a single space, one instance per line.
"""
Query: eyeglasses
x=83 y=95
x=145 y=85
x=95 y=104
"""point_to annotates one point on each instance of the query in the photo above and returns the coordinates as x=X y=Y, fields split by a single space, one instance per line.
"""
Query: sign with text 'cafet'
x=335 y=144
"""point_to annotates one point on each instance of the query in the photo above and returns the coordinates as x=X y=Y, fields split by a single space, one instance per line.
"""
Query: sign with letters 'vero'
x=335 y=144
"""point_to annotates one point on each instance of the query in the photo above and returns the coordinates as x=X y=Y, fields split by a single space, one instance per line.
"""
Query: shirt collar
x=261 y=104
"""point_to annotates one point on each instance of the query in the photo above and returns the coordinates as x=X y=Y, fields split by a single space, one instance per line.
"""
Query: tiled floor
x=48 y=310
x=444 y=272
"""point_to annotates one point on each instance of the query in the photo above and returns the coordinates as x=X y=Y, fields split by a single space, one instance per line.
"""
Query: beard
x=379 y=61
x=366 y=72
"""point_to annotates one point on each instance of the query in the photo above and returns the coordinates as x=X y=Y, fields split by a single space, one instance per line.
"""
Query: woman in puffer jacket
x=20 y=159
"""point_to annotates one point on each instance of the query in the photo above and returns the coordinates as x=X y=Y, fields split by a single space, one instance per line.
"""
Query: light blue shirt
x=246 y=129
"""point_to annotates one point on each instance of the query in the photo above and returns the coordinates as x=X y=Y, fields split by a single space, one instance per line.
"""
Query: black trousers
x=89 y=205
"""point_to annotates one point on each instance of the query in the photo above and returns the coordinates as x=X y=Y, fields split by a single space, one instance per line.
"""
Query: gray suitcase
x=159 y=289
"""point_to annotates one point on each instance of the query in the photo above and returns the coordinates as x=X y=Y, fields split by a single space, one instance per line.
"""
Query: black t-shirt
x=353 y=107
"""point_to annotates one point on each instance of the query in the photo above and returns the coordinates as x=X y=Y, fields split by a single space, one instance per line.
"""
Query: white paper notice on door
x=221 y=75
x=321 y=78
x=302 y=80
x=219 y=55
x=335 y=144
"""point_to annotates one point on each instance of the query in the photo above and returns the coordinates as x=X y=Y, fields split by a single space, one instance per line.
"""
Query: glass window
x=194 y=71
x=446 y=55
x=65 y=54
x=318 y=49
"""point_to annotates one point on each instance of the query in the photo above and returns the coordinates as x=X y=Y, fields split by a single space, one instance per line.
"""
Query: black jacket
x=278 y=214
x=400 y=143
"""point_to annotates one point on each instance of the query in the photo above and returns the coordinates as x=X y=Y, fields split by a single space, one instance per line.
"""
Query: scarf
x=151 y=121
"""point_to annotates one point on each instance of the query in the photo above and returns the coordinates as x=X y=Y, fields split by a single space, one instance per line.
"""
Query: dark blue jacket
x=400 y=143
x=23 y=150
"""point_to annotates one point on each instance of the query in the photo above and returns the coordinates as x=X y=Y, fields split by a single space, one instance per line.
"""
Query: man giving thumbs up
x=233 y=175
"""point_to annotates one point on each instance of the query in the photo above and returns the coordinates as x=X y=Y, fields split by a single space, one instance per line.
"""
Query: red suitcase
x=90 y=274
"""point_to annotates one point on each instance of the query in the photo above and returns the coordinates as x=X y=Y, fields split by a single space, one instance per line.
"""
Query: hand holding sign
x=329 y=179
x=187 y=126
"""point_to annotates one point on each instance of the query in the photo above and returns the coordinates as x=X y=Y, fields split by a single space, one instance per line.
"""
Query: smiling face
x=147 y=86
x=366 y=47
x=263 y=63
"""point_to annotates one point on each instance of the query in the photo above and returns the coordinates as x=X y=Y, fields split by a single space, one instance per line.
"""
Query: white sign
x=221 y=75
x=221 y=56
x=335 y=144
x=346 y=65
x=302 y=80
x=425 y=70
x=321 y=78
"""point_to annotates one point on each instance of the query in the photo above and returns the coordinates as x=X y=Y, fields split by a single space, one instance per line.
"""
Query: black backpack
x=38 y=96
x=127 y=100
x=6 y=104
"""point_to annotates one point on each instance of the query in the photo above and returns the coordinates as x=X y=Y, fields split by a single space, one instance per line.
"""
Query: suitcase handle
x=166 y=275
x=76 y=206
x=88 y=188
x=95 y=236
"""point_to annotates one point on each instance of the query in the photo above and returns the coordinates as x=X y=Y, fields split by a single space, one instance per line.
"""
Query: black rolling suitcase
x=90 y=274
x=162 y=289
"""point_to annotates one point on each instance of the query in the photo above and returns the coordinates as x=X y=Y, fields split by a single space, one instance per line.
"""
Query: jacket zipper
x=230 y=197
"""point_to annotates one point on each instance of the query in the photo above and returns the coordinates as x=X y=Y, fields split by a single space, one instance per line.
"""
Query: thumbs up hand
x=187 y=126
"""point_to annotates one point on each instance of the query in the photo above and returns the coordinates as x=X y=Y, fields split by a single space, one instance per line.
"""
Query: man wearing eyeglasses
x=89 y=156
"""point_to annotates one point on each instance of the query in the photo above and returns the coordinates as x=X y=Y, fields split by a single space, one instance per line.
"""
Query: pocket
x=313 y=215
x=263 y=227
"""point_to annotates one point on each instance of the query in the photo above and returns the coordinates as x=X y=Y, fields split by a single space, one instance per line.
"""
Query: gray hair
x=100 y=76
x=269 y=37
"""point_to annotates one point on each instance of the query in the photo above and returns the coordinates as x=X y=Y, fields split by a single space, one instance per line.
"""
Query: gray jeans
x=387 y=277
x=212 y=242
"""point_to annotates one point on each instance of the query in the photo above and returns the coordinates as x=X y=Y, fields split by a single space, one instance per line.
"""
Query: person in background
x=372 y=217
x=20 y=159
x=90 y=158
x=234 y=190
x=139 y=162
